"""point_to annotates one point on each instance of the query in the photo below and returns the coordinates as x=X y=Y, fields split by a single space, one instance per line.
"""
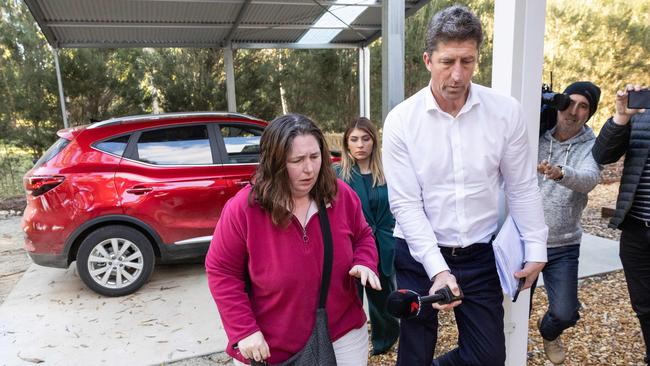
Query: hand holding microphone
x=407 y=303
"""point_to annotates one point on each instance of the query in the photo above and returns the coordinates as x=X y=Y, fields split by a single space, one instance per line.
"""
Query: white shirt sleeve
x=518 y=168
x=405 y=197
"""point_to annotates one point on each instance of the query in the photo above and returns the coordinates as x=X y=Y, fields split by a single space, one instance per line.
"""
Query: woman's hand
x=365 y=275
x=254 y=347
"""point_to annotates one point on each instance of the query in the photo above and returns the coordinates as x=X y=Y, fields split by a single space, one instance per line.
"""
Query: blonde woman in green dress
x=360 y=167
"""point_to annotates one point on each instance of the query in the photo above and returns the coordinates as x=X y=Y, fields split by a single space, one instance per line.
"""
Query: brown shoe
x=554 y=349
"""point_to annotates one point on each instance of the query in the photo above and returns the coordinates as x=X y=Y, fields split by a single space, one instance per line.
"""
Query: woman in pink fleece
x=265 y=261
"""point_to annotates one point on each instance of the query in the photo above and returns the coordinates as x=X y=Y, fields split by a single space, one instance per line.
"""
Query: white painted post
x=230 y=79
x=392 y=54
x=364 y=82
x=517 y=61
x=64 y=113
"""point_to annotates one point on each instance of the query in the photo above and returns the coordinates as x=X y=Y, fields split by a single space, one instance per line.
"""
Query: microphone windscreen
x=403 y=303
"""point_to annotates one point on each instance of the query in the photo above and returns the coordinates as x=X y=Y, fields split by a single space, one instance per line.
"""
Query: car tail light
x=37 y=185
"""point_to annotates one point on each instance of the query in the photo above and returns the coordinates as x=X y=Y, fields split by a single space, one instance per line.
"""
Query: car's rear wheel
x=115 y=260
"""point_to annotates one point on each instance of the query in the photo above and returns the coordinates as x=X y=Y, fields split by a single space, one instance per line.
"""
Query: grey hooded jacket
x=564 y=200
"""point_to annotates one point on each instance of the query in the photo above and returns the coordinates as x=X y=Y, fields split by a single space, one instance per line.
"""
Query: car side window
x=115 y=145
x=184 y=145
x=242 y=143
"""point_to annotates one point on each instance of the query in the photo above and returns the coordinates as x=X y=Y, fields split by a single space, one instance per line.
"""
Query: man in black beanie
x=588 y=90
x=550 y=113
x=567 y=173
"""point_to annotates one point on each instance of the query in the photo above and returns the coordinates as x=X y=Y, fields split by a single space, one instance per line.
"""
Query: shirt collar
x=431 y=104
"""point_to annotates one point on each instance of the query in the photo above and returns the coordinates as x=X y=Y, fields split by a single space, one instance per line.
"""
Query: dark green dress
x=374 y=201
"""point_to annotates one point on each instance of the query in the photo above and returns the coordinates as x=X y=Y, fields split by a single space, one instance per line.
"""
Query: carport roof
x=210 y=23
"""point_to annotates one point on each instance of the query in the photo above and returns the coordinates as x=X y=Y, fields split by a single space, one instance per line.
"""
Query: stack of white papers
x=509 y=255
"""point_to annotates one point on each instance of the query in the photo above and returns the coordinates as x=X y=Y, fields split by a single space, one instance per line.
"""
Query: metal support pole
x=230 y=79
x=392 y=54
x=517 y=61
x=64 y=113
x=364 y=82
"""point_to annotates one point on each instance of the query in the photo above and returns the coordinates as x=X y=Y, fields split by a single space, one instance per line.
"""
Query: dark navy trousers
x=479 y=318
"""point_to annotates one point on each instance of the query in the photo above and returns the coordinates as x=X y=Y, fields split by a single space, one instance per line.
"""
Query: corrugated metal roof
x=196 y=23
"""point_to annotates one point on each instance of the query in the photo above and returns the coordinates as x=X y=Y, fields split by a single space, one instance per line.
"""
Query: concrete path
x=597 y=255
x=50 y=316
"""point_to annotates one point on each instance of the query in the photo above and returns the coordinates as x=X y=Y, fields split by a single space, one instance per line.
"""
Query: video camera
x=551 y=99
x=552 y=102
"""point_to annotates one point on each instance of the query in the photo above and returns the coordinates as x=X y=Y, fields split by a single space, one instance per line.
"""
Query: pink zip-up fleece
x=285 y=273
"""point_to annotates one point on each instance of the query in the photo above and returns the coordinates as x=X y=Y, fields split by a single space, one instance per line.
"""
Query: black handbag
x=318 y=351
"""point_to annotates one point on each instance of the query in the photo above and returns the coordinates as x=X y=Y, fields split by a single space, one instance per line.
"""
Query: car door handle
x=139 y=190
x=242 y=183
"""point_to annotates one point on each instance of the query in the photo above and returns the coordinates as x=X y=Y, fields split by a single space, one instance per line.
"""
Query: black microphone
x=407 y=303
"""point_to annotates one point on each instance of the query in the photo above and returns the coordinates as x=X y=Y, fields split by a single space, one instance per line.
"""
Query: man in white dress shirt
x=447 y=149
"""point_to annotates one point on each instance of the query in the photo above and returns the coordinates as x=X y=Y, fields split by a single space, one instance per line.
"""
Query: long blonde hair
x=348 y=161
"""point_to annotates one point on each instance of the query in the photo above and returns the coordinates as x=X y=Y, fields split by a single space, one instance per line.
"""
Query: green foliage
x=323 y=84
x=98 y=83
x=605 y=41
x=257 y=82
x=188 y=79
x=416 y=76
x=28 y=112
x=103 y=83
x=14 y=163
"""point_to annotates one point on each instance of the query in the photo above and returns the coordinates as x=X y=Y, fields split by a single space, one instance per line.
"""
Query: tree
x=605 y=41
x=104 y=83
x=323 y=85
x=29 y=111
x=416 y=75
x=189 y=79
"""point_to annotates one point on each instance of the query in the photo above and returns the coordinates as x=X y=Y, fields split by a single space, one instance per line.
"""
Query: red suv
x=119 y=195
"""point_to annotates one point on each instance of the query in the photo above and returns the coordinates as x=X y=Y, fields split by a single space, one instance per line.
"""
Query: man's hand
x=549 y=171
x=442 y=279
x=530 y=271
x=543 y=166
x=623 y=113
x=365 y=275
x=254 y=347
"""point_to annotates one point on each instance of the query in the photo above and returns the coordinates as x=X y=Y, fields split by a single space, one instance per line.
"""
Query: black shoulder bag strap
x=327 y=256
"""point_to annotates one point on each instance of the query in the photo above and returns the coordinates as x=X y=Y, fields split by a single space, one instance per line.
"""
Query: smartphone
x=520 y=285
x=638 y=99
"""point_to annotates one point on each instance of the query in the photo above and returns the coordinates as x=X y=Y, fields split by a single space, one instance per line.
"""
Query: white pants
x=350 y=350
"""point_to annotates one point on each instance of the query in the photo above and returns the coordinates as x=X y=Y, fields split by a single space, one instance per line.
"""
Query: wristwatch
x=561 y=172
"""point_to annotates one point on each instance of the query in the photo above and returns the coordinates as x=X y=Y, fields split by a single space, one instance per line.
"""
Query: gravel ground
x=604 y=195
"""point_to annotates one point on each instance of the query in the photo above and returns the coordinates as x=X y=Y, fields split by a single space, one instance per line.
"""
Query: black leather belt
x=458 y=251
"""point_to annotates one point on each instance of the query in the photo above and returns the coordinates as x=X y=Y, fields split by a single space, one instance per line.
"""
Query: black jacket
x=633 y=140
